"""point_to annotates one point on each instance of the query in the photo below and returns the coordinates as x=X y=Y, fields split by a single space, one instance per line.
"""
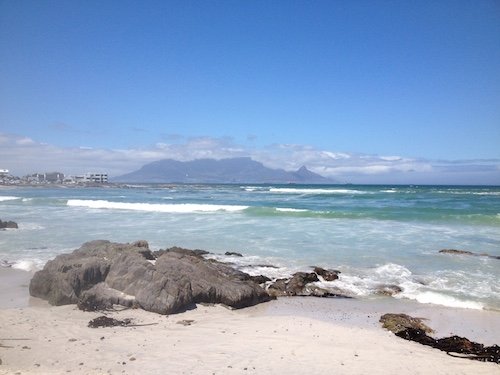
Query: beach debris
x=186 y=322
x=104 y=321
x=454 y=344
x=400 y=322
x=233 y=253
x=413 y=329
x=466 y=252
x=8 y=224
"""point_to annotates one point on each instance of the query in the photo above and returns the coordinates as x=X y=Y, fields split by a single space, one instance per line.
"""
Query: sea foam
x=26 y=265
x=444 y=300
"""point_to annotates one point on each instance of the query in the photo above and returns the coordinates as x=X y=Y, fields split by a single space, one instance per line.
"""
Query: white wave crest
x=290 y=209
x=8 y=198
x=150 y=207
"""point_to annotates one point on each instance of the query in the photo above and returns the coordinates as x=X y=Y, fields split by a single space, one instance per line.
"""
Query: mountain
x=235 y=170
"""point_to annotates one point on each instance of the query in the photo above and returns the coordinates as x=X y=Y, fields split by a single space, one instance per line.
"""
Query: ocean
x=375 y=235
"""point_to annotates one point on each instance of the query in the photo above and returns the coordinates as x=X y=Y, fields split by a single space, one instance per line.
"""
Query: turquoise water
x=375 y=235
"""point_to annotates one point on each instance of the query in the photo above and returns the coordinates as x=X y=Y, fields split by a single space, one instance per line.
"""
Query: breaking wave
x=8 y=198
x=155 y=207
x=316 y=191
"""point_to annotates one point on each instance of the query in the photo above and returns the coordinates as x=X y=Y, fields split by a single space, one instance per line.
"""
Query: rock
x=64 y=278
x=315 y=291
x=278 y=288
x=299 y=280
x=231 y=253
x=327 y=275
x=8 y=224
x=400 y=322
x=260 y=279
x=102 y=297
x=102 y=273
x=295 y=286
x=453 y=251
x=388 y=290
x=146 y=253
x=465 y=252
x=180 y=250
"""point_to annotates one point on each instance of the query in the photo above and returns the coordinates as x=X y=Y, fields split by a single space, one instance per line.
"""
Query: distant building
x=98 y=178
x=4 y=172
x=44 y=178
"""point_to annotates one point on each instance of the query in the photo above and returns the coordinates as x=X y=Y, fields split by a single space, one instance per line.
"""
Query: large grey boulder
x=8 y=224
x=102 y=273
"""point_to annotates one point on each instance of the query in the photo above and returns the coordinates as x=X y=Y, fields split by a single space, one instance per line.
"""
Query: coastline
x=290 y=335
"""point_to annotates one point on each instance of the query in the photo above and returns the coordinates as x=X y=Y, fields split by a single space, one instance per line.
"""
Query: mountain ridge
x=231 y=170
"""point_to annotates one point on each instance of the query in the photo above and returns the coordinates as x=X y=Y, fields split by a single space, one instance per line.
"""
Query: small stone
x=72 y=340
x=131 y=359
x=186 y=322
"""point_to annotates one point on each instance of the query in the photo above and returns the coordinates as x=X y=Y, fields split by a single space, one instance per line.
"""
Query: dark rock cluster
x=300 y=284
x=101 y=273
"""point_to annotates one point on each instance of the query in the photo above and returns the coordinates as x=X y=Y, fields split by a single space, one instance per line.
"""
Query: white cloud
x=25 y=141
x=22 y=155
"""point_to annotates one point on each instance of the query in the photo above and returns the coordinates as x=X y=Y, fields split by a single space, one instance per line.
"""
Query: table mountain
x=234 y=170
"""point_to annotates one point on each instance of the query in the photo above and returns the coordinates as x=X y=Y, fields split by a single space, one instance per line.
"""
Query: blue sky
x=363 y=91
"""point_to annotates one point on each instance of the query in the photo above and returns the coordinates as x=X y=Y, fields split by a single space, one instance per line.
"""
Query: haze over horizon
x=362 y=92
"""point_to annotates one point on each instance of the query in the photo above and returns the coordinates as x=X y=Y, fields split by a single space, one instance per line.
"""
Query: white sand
x=289 y=336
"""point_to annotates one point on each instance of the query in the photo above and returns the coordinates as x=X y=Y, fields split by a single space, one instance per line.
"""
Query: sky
x=360 y=91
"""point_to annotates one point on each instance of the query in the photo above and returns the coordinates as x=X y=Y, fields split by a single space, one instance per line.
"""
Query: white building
x=4 y=172
x=99 y=178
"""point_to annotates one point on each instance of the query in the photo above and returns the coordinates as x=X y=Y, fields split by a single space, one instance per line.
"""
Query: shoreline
x=289 y=335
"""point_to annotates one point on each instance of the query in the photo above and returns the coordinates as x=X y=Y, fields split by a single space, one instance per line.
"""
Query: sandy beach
x=287 y=336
